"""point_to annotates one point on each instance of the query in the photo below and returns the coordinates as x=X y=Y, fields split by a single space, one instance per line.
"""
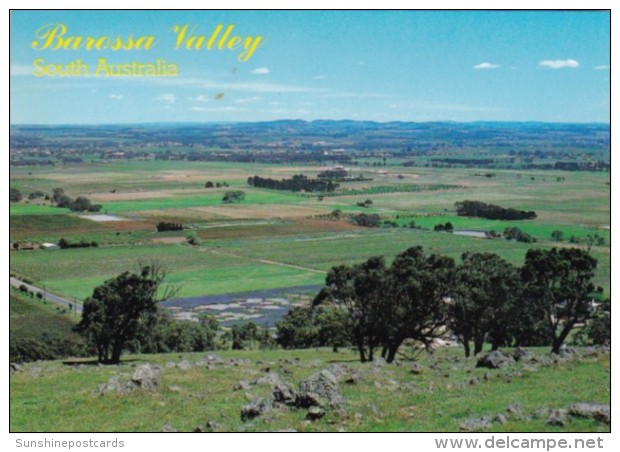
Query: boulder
x=473 y=425
x=495 y=360
x=14 y=367
x=243 y=385
x=320 y=389
x=185 y=365
x=521 y=354
x=255 y=409
x=168 y=429
x=416 y=369
x=315 y=413
x=146 y=377
x=601 y=413
x=284 y=393
x=116 y=385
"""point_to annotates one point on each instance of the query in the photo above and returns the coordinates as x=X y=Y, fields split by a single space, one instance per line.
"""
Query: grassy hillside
x=448 y=392
x=40 y=330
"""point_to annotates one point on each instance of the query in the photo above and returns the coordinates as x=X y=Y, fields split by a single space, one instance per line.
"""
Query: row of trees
x=79 y=204
x=484 y=298
x=491 y=211
x=299 y=182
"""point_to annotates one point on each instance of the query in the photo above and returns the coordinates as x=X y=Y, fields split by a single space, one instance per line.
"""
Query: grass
x=439 y=399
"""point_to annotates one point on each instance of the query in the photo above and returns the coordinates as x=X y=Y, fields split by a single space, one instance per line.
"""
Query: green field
x=387 y=399
x=280 y=227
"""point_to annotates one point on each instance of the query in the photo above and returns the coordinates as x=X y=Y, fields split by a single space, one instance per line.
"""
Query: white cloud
x=117 y=96
x=260 y=71
x=199 y=98
x=602 y=67
x=248 y=100
x=486 y=65
x=559 y=64
x=167 y=97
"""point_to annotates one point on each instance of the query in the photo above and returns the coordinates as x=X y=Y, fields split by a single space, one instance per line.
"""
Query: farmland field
x=279 y=238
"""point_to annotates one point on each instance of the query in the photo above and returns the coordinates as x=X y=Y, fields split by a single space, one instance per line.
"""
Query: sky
x=551 y=66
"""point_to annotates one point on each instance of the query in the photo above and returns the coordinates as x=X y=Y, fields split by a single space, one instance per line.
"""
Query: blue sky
x=380 y=66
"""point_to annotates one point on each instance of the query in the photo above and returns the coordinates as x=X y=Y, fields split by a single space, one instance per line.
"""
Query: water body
x=252 y=297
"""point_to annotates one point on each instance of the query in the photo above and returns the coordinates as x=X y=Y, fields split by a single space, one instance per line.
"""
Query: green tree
x=482 y=298
x=559 y=282
x=415 y=299
x=233 y=196
x=118 y=309
x=15 y=195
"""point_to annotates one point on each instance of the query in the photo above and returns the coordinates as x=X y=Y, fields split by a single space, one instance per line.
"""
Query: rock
x=168 y=429
x=500 y=419
x=556 y=418
x=199 y=429
x=243 y=385
x=146 y=377
x=315 y=413
x=416 y=369
x=174 y=388
x=474 y=381
x=284 y=393
x=495 y=360
x=320 y=389
x=209 y=360
x=567 y=352
x=392 y=385
x=185 y=365
x=14 y=367
x=514 y=409
x=472 y=425
x=255 y=409
x=338 y=371
x=213 y=426
x=600 y=413
x=115 y=384
x=353 y=378
x=379 y=362
x=170 y=364
x=521 y=354
x=487 y=376
x=271 y=379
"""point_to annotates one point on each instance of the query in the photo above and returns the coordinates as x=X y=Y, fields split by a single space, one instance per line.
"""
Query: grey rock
x=213 y=426
x=500 y=419
x=270 y=379
x=474 y=381
x=557 y=418
x=170 y=364
x=320 y=389
x=521 y=354
x=199 y=429
x=209 y=360
x=354 y=378
x=146 y=377
x=600 y=413
x=379 y=362
x=284 y=393
x=256 y=408
x=168 y=429
x=514 y=409
x=315 y=413
x=243 y=385
x=185 y=365
x=14 y=367
x=473 y=425
x=417 y=369
x=495 y=360
x=568 y=352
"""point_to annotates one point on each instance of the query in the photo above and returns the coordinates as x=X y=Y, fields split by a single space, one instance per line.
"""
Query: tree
x=483 y=295
x=60 y=198
x=120 y=308
x=15 y=195
x=233 y=196
x=557 y=235
x=418 y=287
x=559 y=282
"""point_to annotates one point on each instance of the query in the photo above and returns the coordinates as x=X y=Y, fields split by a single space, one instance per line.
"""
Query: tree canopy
x=119 y=309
